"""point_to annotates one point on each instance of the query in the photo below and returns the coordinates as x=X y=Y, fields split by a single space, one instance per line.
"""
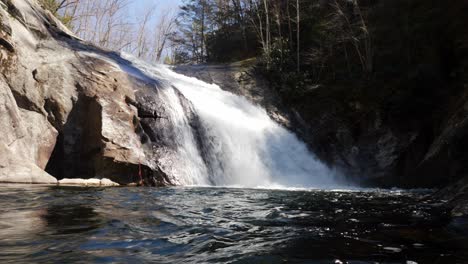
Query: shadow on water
x=72 y=219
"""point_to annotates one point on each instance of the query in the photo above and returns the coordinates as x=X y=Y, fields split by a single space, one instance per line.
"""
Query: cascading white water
x=242 y=145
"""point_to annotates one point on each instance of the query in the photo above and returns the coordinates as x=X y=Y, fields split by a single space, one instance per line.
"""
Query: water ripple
x=222 y=225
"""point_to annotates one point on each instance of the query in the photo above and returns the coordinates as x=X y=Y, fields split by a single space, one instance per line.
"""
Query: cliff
x=68 y=109
x=377 y=134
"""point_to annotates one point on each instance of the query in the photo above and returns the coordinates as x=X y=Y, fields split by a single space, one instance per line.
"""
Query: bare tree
x=113 y=21
x=267 y=34
x=164 y=29
x=202 y=30
x=278 y=14
x=298 y=8
x=257 y=23
x=64 y=4
x=142 y=45
x=288 y=13
x=357 y=33
x=101 y=22
x=368 y=51
x=240 y=19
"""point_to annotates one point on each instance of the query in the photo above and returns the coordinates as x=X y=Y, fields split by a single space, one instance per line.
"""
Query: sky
x=139 y=7
x=160 y=4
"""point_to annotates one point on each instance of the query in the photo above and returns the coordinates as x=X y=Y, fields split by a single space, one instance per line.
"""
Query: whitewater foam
x=241 y=146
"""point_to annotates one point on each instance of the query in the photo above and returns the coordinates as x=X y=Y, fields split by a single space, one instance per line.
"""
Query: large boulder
x=64 y=105
x=14 y=169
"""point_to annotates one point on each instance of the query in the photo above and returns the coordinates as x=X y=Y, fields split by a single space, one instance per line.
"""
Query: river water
x=225 y=225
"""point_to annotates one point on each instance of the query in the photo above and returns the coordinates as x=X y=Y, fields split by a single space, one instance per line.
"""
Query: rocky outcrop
x=88 y=182
x=63 y=105
x=390 y=136
x=377 y=138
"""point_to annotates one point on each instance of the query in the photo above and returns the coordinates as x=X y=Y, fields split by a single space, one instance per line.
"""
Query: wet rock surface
x=63 y=105
x=88 y=182
x=241 y=78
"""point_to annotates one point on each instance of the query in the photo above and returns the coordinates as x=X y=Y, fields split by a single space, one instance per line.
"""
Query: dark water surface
x=220 y=225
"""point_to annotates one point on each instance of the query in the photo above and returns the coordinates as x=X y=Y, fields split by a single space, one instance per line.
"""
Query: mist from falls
x=222 y=139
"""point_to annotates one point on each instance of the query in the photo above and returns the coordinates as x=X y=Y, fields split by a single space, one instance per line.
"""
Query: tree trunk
x=298 y=37
x=202 y=56
x=267 y=34
x=289 y=26
x=278 y=17
x=240 y=20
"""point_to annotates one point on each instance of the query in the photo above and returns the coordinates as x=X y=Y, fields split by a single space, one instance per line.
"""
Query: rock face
x=241 y=78
x=88 y=182
x=64 y=105
x=360 y=132
x=386 y=136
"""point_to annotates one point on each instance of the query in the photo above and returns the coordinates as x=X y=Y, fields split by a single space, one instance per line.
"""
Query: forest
x=299 y=44
x=226 y=30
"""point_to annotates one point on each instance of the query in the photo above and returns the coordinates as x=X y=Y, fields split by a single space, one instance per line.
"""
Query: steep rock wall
x=63 y=105
x=384 y=135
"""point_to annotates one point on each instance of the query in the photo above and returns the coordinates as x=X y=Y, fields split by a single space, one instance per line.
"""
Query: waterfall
x=222 y=139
